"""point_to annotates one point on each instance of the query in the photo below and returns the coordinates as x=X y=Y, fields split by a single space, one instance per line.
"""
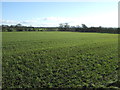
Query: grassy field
x=59 y=59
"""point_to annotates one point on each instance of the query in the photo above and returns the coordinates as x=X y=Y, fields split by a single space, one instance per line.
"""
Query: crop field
x=59 y=59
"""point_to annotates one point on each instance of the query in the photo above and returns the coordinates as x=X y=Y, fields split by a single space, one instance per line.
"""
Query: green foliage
x=62 y=27
x=84 y=26
x=59 y=59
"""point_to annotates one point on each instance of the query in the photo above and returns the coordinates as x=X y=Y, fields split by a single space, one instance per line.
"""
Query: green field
x=59 y=59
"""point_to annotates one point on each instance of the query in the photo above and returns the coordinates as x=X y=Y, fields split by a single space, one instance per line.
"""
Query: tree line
x=62 y=27
x=84 y=28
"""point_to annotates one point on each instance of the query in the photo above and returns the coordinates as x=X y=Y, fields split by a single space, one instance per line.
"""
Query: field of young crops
x=59 y=59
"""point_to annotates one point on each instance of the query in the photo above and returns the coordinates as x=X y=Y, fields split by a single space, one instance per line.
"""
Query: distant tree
x=118 y=30
x=78 y=28
x=5 y=28
x=64 y=27
x=19 y=25
x=72 y=28
x=10 y=29
x=84 y=26
x=61 y=26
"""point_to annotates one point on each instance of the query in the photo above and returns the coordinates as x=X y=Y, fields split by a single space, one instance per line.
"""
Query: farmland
x=59 y=59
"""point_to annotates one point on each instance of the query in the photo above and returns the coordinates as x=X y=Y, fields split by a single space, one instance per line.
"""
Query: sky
x=51 y=14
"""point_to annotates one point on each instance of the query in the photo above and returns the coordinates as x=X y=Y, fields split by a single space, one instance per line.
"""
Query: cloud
x=8 y=21
x=11 y=22
x=108 y=19
x=28 y=21
x=58 y=19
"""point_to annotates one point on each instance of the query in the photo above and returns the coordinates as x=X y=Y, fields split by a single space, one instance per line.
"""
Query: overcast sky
x=53 y=13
